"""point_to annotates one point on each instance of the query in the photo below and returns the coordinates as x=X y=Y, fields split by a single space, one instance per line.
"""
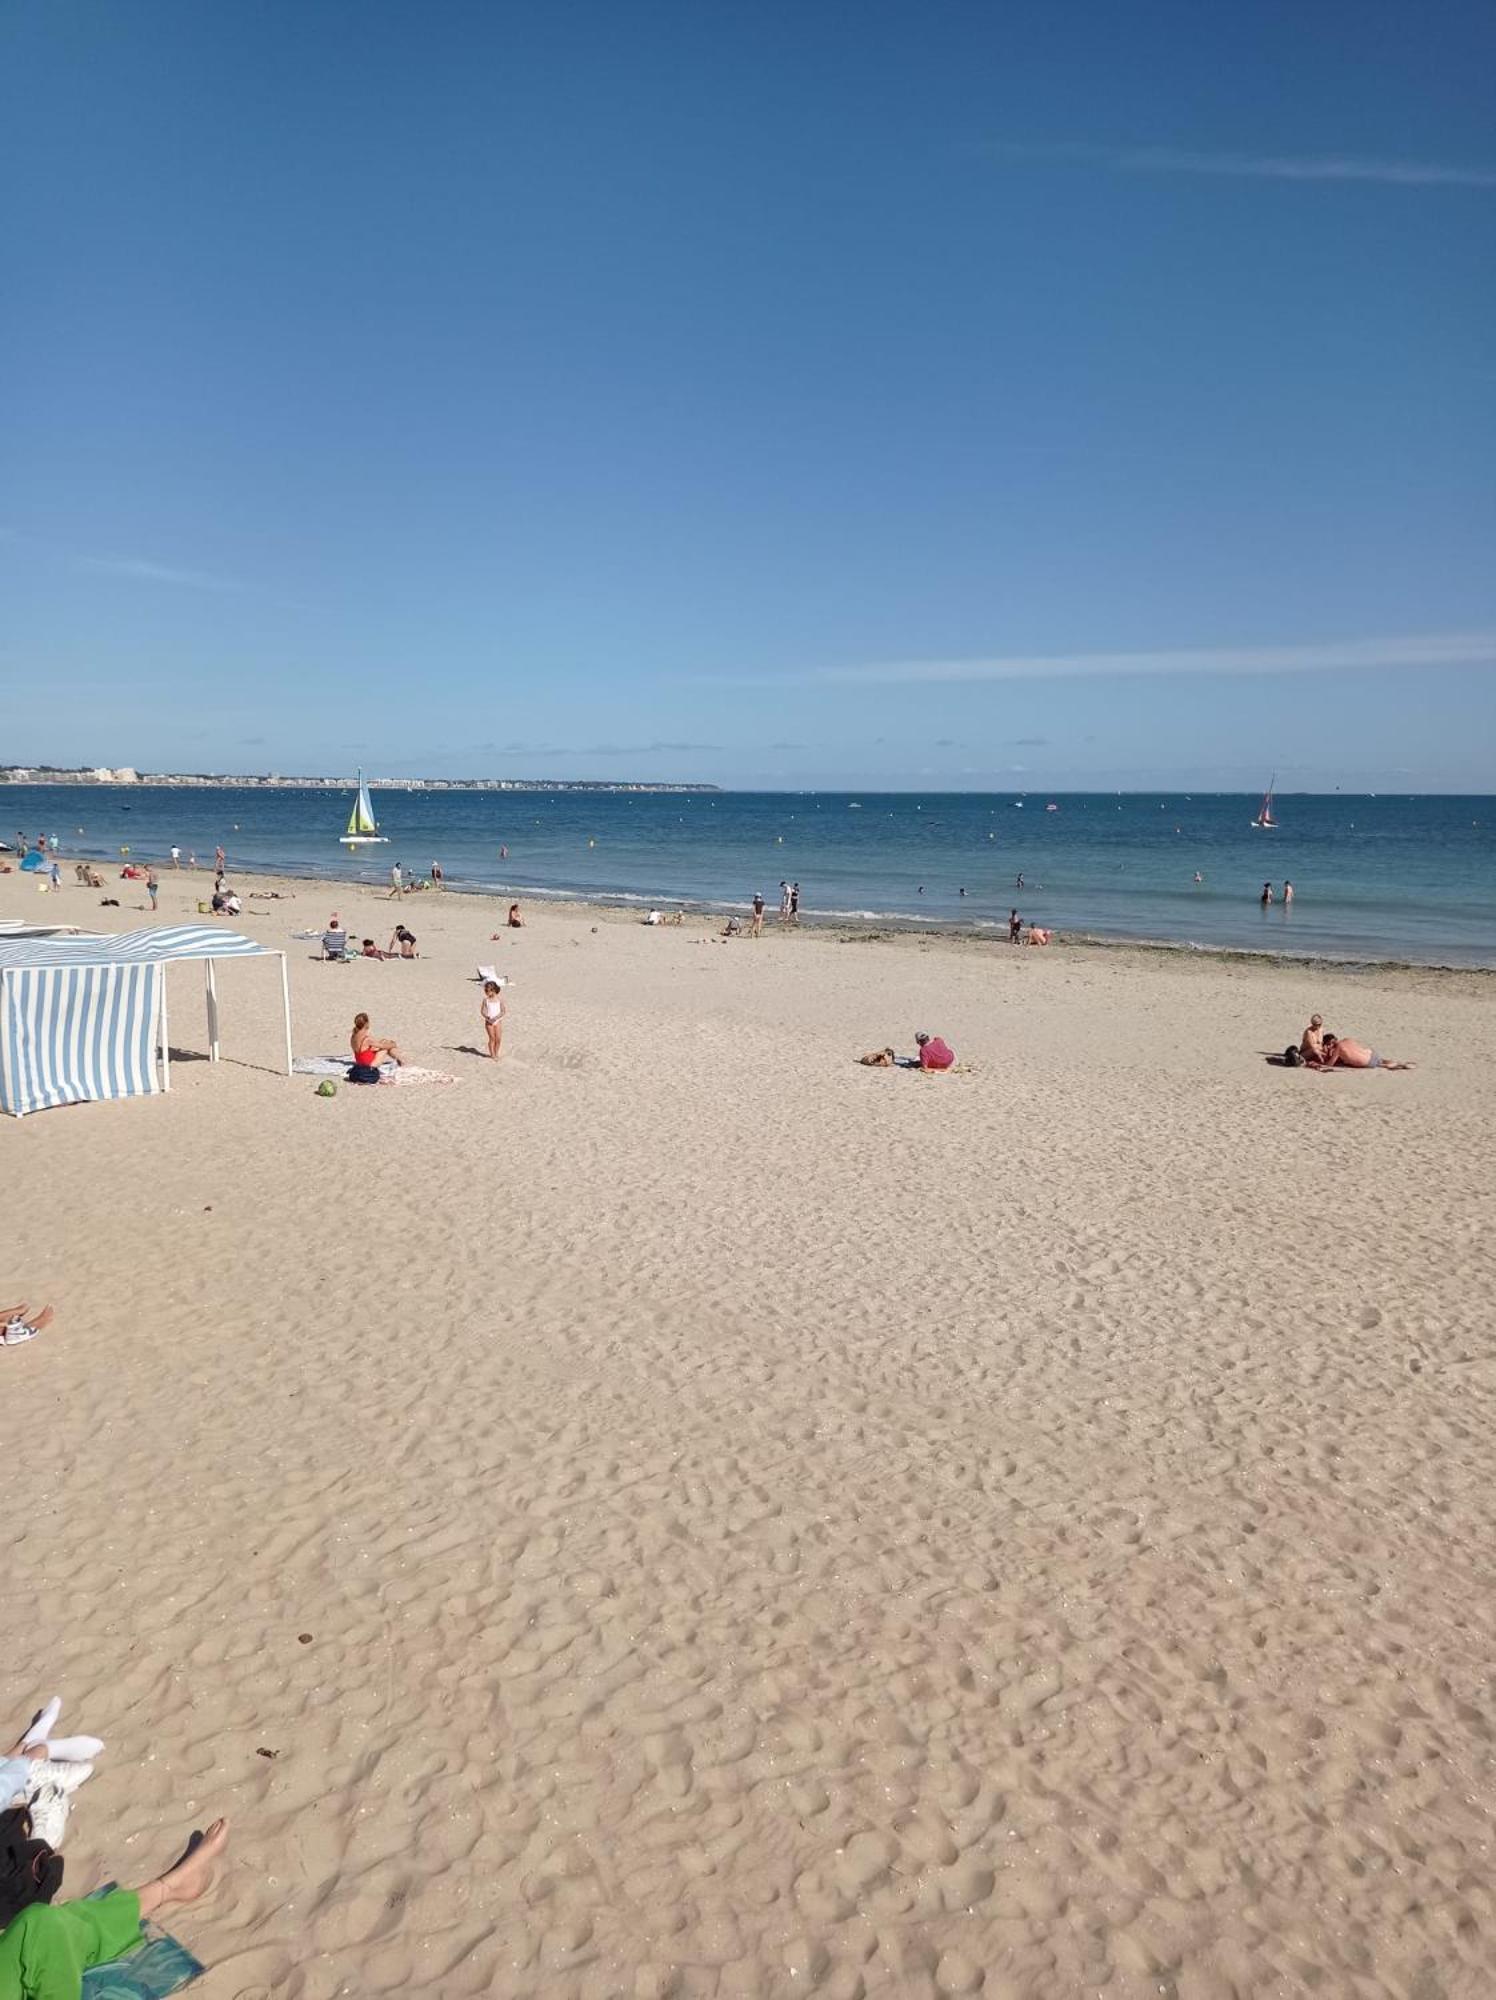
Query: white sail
x=363 y=828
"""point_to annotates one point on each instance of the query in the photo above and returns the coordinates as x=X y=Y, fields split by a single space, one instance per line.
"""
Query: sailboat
x=363 y=828
x=1265 y=810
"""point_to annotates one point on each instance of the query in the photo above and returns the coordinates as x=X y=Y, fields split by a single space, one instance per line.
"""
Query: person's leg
x=190 y=1878
x=36 y=1324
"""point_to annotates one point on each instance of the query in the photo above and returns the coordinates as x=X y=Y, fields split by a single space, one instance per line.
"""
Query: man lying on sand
x=1341 y=1050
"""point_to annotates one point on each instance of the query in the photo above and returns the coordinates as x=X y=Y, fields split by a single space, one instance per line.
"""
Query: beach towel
x=338 y=1066
x=158 y=1965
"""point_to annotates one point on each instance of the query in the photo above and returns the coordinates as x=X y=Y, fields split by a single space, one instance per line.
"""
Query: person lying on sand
x=17 y=1323
x=47 y=1948
x=1341 y=1050
x=369 y=1050
x=878 y=1059
x=371 y=950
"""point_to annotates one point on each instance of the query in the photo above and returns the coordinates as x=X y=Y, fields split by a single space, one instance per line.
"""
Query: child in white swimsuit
x=492 y=1012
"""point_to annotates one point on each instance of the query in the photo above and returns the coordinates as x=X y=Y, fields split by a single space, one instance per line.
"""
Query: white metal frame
x=210 y=986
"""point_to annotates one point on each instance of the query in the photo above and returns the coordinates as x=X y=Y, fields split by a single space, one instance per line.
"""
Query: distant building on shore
x=125 y=774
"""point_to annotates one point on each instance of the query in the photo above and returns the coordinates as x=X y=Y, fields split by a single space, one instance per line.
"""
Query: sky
x=778 y=395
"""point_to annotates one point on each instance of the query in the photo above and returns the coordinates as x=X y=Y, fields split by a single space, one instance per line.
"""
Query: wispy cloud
x=140 y=571
x=1438 y=649
x=1261 y=166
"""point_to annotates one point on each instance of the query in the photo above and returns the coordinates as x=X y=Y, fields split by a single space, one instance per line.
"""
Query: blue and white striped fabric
x=80 y=1016
x=71 y=1033
x=156 y=947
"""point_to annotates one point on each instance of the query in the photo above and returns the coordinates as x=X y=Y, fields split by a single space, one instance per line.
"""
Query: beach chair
x=335 y=954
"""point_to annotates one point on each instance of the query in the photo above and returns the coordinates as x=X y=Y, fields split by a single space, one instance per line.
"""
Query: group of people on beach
x=336 y=943
x=1319 y=1049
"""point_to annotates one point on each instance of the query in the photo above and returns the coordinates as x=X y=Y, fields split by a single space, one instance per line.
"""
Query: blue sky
x=781 y=395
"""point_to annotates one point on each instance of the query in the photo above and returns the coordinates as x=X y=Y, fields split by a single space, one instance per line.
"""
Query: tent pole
x=212 y=1012
x=286 y=1008
x=165 y=1038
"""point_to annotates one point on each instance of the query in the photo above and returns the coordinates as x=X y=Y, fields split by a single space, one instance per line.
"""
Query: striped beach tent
x=84 y=1018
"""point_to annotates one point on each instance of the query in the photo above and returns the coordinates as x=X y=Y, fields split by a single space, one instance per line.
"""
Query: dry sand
x=690 y=1515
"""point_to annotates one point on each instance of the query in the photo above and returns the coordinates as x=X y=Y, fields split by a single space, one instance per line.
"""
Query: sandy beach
x=677 y=1513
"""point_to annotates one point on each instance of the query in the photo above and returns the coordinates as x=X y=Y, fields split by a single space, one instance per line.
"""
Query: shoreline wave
x=973 y=930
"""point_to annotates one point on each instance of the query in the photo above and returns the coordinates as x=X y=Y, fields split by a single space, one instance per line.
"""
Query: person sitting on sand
x=1340 y=1050
x=406 y=941
x=878 y=1059
x=491 y=1011
x=1037 y=936
x=514 y=920
x=933 y=1053
x=733 y=927
x=47 y=1948
x=1312 y=1042
x=368 y=1051
x=18 y=1324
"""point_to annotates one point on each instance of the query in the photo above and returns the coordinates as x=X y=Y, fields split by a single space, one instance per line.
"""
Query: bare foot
x=193 y=1874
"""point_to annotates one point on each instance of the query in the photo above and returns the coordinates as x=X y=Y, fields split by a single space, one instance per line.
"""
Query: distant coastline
x=53 y=774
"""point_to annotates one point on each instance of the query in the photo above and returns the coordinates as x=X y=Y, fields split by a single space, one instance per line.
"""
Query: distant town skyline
x=1052 y=398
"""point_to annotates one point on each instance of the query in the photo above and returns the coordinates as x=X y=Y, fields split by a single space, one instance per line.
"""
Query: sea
x=1376 y=877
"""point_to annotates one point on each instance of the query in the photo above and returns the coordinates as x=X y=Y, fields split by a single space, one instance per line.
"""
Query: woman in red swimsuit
x=367 y=1050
